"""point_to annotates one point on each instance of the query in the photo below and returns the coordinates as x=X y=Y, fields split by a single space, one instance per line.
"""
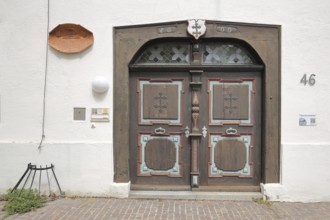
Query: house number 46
x=308 y=80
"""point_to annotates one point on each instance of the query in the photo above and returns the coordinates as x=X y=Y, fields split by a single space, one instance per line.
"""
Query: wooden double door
x=196 y=130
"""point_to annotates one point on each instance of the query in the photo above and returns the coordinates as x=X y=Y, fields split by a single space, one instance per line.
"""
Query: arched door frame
x=264 y=39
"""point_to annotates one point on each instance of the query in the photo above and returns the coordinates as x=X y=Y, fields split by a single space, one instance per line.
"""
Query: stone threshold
x=193 y=195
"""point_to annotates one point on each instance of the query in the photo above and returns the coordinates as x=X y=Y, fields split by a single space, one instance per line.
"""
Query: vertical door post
x=195 y=135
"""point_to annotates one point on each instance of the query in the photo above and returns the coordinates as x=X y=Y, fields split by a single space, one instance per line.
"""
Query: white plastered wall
x=82 y=155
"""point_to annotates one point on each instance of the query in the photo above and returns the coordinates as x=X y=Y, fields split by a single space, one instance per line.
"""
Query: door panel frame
x=180 y=105
x=252 y=129
x=264 y=39
x=223 y=122
x=249 y=153
x=178 y=149
x=155 y=178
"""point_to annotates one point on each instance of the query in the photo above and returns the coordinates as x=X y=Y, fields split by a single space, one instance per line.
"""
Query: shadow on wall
x=72 y=56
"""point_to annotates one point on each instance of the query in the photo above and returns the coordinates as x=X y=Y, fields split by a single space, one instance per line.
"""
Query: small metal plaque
x=70 y=38
x=307 y=120
x=79 y=114
x=100 y=115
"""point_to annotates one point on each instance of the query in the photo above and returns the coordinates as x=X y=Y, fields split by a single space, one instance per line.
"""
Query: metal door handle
x=160 y=130
x=231 y=130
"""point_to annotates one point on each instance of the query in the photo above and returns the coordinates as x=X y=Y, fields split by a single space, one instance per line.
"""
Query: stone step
x=190 y=195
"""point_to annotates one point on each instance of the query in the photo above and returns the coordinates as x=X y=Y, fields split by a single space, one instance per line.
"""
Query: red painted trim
x=230 y=80
x=160 y=80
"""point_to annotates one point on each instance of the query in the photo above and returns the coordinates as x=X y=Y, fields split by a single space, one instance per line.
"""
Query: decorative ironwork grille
x=225 y=54
x=166 y=53
x=180 y=53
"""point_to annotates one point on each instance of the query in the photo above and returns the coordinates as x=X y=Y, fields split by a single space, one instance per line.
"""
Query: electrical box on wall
x=79 y=114
x=100 y=115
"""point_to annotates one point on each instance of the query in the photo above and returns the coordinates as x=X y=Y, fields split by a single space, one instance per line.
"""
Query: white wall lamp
x=100 y=84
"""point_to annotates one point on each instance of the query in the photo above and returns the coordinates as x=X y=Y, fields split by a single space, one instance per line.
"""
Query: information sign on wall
x=100 y=115
x=307 y=120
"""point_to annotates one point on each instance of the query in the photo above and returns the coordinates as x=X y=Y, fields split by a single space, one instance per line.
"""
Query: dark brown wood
x=211 y=98
x=160 y=154
x=236 y=151
x=196 y=135
x=195 y=139
x=144 y=156
x=160 y=102
x=265 y=41
x=161 y=187
x=227 y=68
x=230 y=102
x=195 y=112
x=228 y=189
x=230 y=155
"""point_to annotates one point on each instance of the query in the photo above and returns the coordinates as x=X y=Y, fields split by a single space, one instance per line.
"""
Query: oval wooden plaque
x=70 y=38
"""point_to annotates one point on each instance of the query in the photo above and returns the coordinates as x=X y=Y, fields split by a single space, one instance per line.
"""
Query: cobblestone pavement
x=115 y=209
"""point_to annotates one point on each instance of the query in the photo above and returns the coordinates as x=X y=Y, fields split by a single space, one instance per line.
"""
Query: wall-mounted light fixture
x=100 y=84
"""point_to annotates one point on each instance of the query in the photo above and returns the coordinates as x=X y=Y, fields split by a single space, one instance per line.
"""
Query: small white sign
x=100 y=115
x=307 y=120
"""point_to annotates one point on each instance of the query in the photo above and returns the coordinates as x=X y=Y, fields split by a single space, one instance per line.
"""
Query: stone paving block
x=126 y=209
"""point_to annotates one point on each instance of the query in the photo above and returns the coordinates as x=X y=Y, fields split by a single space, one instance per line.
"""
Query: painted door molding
x=159 y=150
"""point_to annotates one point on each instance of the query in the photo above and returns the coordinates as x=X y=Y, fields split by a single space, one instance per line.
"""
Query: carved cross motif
x=231 y=99
x=161 y=105
x=196 y=27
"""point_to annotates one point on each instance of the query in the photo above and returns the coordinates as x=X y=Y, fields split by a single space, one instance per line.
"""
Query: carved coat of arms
x=196 y=28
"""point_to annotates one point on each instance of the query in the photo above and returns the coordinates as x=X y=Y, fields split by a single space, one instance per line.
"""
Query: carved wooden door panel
x=230 y=151
x=159 y=149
